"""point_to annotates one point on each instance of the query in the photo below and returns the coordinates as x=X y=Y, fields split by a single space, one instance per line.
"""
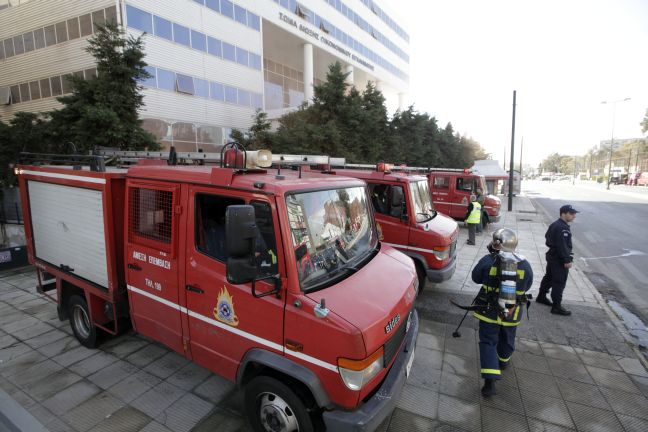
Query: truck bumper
x=494 y=219
x=372 y=413
x=442 y=274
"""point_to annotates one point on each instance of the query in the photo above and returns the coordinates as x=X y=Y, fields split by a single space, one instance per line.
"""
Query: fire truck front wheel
x=80 y=321
x=272 y=406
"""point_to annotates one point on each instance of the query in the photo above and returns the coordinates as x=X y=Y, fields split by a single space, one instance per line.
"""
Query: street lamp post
x=614 y=103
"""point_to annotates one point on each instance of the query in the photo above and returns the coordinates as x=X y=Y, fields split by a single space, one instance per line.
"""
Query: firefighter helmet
x=504 y=239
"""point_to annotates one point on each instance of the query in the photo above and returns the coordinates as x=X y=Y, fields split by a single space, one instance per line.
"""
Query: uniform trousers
x=496 y=343
x=555 y=278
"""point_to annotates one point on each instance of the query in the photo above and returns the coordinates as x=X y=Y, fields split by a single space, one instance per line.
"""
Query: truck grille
x=394 y=343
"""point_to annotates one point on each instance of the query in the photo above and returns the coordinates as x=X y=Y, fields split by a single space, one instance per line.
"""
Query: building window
x=253 y=21
x=181 y=34
x=213 y=5
x=214 y=47
x=244 y=97
x=86 y=22
x=198 y=41
x=241 y=56
x=57 y=89
x=201 y=87
x=111 y=14
x=19 y=45
x=45 y=88
x=257 y=100
x=138 y=19
x=229 y=52
x=15 y=94
x=98 y=19
x=149 y=82
x=231 y=94
x=73 y=28
x=240 y=14
x=50 y=36
x=163 y=28
x=61 y=32
x=8 y=48
x=39 y=39
x=227 y=8
x=34 y=89
x=184 y=84
x=216 y=91
x=255 y=61
x=28 y=38
x=24 y=92
x=165 y=79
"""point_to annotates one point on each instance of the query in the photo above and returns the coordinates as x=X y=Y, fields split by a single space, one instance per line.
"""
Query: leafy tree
x=644 y=123
x=26 y=132
x=102 y=111
x=259 y=136
x=552 y=163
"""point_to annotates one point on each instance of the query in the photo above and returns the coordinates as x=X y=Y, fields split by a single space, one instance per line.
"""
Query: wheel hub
x=276 y=414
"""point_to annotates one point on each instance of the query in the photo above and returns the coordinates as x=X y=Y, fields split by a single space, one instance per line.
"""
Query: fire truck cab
x=408 y=220
x=451 y=190
x=273 y=280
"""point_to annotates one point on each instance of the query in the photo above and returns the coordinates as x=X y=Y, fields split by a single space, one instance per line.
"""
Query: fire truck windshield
x=332 y=233
x=421 y=200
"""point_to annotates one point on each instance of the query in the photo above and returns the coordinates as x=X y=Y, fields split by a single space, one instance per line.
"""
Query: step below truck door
x=152 y=261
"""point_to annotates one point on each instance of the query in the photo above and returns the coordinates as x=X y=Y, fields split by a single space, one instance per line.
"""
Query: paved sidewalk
x=569 y=373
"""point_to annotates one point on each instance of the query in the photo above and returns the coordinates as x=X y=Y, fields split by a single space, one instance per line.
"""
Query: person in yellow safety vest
x=473 y=218
x=499 y=271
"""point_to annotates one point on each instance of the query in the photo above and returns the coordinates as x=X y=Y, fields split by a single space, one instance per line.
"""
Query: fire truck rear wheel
x=422 y=276
x=272 y=407
x=80 y=322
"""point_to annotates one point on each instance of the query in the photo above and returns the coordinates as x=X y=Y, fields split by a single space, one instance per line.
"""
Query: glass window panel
x=149 y=82
x=73 y=28
x=201 y=87
x=184 y=132
x=198 y=41
x=15 y=94
x=24 y=92
x=229 y=52
x=214 y=47
x=255 y=61
x=181 y=34
x=111 y=14
x=138 y=19
x=209 y=134
x=90 y=73
x=39 y=38
x=61 y=32
x=241 y=56
x=45 y=88
x=163 y=28
x=216 y=91
x=231 y=94
x=257 y=100
x=8 y=47
x=213 y=4
x=158 y=128
x=57 y=89
x=34 y=89
x=67 y=84
x=295 y=98
x=227 y=8
x=28 y=38
x=86 y=23
x=184 y=84
x=240 y=14
x=2 y=56
x=254 y=21
x=201 y=2
x=50 y=35
x=99 y=19
x=19 y=45
x=165 y=79
x=273 y=96
x=244 y=97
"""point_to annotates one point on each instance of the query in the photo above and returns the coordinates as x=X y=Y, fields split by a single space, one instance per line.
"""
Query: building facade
x=212 y=62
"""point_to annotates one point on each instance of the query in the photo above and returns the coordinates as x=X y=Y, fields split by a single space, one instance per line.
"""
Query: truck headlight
x=441 y=252
x=357 y=373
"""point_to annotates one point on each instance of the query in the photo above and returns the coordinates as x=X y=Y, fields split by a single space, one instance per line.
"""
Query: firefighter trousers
x=496 y=344
x=555 y=279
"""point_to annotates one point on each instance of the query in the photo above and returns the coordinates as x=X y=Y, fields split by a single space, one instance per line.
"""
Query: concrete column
x=401 y=101
x=308 y=73
x=349 y=71
x=380 y=86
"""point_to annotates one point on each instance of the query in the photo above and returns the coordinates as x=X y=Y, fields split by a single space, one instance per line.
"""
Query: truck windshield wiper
x=427 y=215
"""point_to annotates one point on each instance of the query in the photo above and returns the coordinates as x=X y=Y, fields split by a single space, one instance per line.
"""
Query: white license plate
x=409 y=365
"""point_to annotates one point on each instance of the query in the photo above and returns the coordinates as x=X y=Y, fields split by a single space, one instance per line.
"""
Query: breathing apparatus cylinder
x=507 y=298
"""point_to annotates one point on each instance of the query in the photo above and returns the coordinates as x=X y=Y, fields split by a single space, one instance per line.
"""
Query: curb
x=15 y=417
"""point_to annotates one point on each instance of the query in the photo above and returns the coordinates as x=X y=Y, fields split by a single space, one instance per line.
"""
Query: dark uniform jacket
x=485 y=273
x=559 y=242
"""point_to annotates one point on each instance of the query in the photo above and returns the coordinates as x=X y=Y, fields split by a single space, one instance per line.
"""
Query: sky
x=563 y=58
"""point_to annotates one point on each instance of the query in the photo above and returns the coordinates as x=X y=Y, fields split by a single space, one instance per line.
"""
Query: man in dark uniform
x=559 y=261
x=497 y=324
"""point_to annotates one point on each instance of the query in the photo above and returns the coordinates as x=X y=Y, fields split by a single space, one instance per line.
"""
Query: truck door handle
x=134 y=267
x=194 y=289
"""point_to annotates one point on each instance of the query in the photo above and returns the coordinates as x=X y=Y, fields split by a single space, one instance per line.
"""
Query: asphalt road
x=610 y=236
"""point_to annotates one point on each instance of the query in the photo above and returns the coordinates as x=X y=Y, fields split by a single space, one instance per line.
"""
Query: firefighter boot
x=489 y=388
x=542 y=299
x=559 y=310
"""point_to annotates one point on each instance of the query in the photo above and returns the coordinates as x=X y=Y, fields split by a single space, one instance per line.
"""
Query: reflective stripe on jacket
x=475 y=214
x=490 y=289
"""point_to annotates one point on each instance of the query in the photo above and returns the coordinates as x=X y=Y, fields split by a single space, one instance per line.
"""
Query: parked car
x=632 y=179
x=643 y=179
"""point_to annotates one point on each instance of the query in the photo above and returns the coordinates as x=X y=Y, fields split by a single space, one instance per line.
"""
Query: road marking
x=627 y=253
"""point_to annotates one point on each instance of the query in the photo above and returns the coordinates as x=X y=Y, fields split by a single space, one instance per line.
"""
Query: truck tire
x=422 y=276
x=271 y=406
x=80 y=322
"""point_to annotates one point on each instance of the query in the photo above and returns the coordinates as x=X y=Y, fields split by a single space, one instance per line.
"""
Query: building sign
x=315 y=35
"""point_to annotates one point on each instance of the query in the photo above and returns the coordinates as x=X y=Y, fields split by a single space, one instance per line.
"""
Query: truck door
x=441 y=195
x=152 y=261
x=464 y=186
x=393 y=223
x=226 y=320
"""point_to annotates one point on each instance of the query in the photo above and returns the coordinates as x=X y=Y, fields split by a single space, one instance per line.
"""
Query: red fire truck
x=451 y=190
x=273 y=280
x=405 y=213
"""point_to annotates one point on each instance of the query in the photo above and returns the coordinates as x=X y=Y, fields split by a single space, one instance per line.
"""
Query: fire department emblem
x=224 y=310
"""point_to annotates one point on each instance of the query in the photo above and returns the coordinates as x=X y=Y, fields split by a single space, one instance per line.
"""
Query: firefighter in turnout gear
x=505 y=277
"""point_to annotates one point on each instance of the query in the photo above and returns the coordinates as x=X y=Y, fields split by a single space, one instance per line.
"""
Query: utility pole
x=614 y=104
x=510 y=191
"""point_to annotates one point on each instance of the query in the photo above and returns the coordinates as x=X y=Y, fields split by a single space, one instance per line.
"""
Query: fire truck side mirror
x=240 y=237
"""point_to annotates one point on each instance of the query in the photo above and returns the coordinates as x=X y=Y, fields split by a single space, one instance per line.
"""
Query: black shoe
x=470 y=243
x=489 y=388
x=559 y=310
x=503 y=365
x=542 y=299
